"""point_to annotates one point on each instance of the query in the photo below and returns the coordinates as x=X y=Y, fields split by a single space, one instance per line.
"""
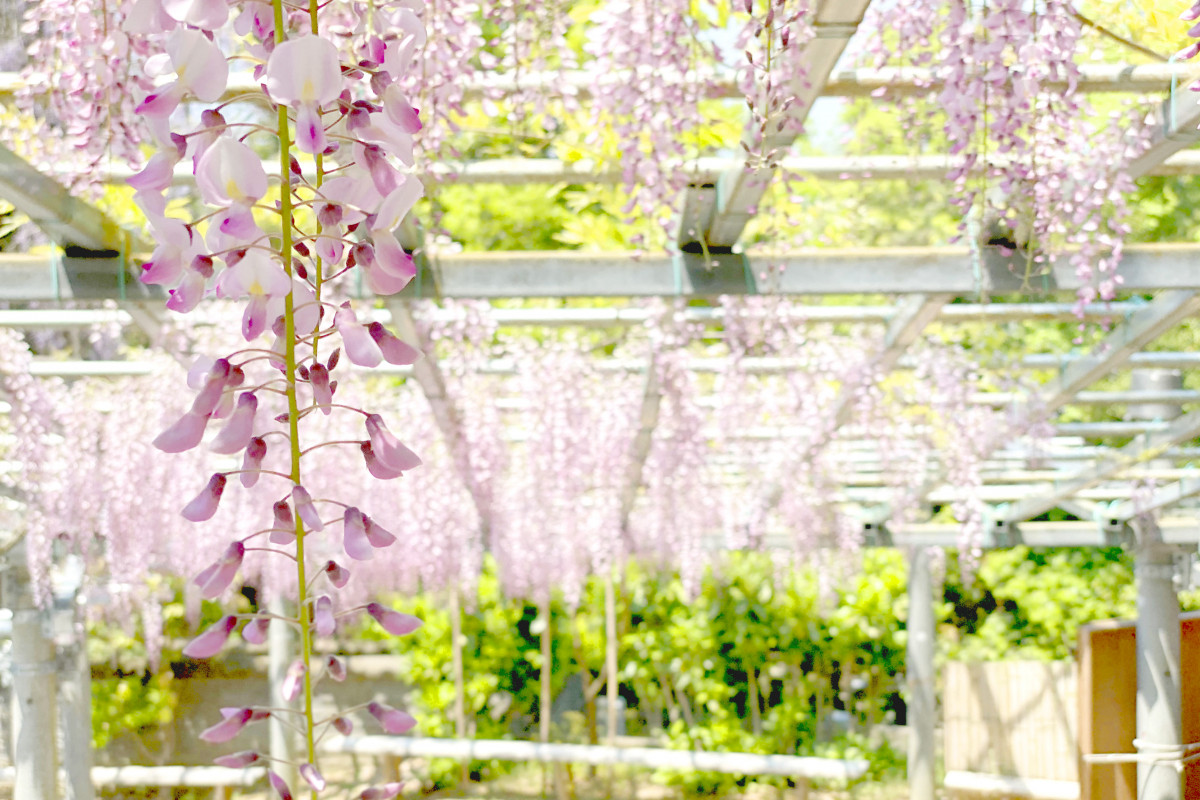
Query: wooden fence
x=1014 y=718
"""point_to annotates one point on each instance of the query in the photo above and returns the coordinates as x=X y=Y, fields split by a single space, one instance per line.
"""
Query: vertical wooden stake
x=456 y=650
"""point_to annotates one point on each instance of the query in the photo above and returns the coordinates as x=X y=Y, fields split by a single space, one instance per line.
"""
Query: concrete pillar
x=35 y=745
x=922 y=699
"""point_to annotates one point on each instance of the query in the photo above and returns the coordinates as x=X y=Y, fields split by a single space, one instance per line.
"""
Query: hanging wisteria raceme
x=277 y=244
x=1034 y=175
x=85 y=73
x=772 y=39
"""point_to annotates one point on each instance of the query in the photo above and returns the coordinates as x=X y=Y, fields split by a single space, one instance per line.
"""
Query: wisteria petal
x=392 y=621
x=359 y=347
x=335 y=668
x=155 y=176
x=238 y=760
x=230 y=172
x=313 y=777
x=304 y=71
x=377 y=535
x=392 y=257
x=305 y=509
x=252 y=460
x=384 y=791
x=310 y=131
x=376 y=467
x=199 y=63
x=318 y=376
x=188 y=294
x=279 y=785
x=388 y=448
x=255 y=631
x=323 y=620
x=343 y=726
x=293 y=680
x=354 y=536
x=204 y=505
x=395 y=350
x=398 y=203
x=393 y=720
x=185 y=434
x=209 y=643
x=206 y=14
x=338 y=575
x=238 y=431
x=211 y=391
x=216 y=578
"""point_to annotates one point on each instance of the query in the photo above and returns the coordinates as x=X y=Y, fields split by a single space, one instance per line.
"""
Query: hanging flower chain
x=281 y=259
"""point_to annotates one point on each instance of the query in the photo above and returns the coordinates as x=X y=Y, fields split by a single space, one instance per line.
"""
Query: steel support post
x=1159 y=699
x=922 y=700
x=35 y=745
x=75 y=717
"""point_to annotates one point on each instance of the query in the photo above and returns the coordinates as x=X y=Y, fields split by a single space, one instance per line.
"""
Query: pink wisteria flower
x=305 y=73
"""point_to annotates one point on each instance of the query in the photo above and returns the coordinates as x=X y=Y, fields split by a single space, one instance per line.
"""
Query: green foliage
x=131 y=703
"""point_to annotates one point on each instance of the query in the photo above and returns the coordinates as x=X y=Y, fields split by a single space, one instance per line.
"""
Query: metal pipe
x=920 y=677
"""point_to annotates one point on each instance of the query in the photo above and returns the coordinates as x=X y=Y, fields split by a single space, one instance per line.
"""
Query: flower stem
x=289 y=317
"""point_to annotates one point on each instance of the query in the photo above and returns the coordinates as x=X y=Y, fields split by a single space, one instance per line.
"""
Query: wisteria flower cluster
x=278 y=242
x=1034 y=175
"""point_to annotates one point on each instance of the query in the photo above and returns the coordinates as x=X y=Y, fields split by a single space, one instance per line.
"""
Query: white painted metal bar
x=1177 y=120
x=648 y=757
x=179 y=776
x=34 y=715
x=1165 y=497
x=714 y=216
x=920 y=679
x=978 y=783
x=1175 y=531
x=640 y=448
x=565 y=274
x=1180 y=430
x=31 y=318
x=1131 y=335
x=703 y=170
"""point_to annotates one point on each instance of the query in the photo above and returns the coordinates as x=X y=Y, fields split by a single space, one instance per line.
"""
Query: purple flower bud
x=343 y=726
x=323 y=620
x=209 y=643
x=314 y=778
x=305 y=509
x=234 y=720
x=333 y=358
x=185 y=434
x=322 y=393
x=255 y=631
x=338 y=575
x=217 y=577
x=204 y=505
x=384 y=791
x=392 y=720
x=329 y=214
x=237 y=760
x=354 y=536
x=335 y=668
x=237 y=432
x=387 y=447
x=293 y=680
x=393 y=622
x=279 y=785
x=395 y=351
x=252 y=460
x=378 y=535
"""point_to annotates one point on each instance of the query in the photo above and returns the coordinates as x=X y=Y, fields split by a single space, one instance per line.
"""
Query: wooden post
x=610 y=668
x=544 y=675
x=35 y=746
x=456 y=654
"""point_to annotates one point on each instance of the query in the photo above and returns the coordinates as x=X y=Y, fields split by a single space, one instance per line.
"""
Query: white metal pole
x=35 y=746
x=75 y=716
x=922 y=701
x=280 y=650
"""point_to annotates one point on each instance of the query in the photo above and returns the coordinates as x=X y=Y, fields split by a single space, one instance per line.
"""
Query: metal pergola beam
x=714 y=214
x=1135 y=332
x=565 y=274
x=639 y=449
x=1152 y=445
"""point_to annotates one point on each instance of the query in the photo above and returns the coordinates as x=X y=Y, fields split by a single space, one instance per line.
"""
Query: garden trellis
x=745 y=445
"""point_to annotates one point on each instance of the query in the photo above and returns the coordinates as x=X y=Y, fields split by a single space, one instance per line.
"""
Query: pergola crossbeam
x=1153 y=444
x=639 y=450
